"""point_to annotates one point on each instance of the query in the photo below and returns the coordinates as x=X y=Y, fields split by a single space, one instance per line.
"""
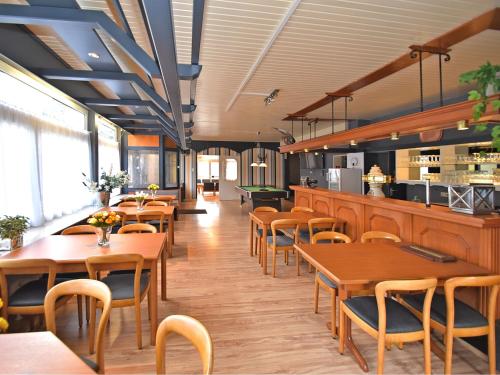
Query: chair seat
x=90 y=363
x=304 y=236
x=122 y=285
x=465 y=316
x=61 y=277
x=281 y=241
x=326 y=280
x=399 y=318
x=30 y=294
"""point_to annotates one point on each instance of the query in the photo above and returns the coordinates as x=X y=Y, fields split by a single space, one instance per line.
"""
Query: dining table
x=263 y=220
x=70 y=253
x=38 y=353
x=356 y=267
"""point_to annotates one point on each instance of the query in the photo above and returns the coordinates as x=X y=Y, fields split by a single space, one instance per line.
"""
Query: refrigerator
x=345 y=180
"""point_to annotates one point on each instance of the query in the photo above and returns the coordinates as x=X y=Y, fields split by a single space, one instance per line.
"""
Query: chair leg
x=274 y=262
x=492 y=349
x=316 y=295
x=342 y=327
x=138 y=330
x=87 y=309
x=427 y=350
x=309 y=267
x=448 y=352
x=92 y=325
x=380 y=353
x=286 y=257
x=149 y=307
x=80 y=311
x=297 y=261
x=254 y=250
x=334 y=312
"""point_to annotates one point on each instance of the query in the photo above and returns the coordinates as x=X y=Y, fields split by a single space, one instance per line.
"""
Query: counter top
x=415 y=208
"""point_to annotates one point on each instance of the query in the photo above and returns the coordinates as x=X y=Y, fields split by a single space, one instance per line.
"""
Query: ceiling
x=251 y=47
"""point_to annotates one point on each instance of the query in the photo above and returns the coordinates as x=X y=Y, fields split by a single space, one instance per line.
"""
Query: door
x=229 y=177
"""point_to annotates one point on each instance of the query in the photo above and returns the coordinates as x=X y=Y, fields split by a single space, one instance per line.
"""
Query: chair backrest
x=330 y=235
x=265 y=209
x=192 y=330
x=324 y=223
x=25 y=267
x=156 y=203
x=381 y=289
x=378 y=235
x=148 y=215
x=301 y=209
x=490 y=282
x=91 y=288
x=122 y=261
x=79 y=229
x=123 y=215
x=127 y=204
x=137 y=228
x=285 y=224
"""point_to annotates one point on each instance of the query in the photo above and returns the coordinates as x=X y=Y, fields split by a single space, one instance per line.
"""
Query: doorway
x=207 y=178
x=229 y=177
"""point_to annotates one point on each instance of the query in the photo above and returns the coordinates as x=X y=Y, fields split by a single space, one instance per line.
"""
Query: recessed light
x=394 y=136
x=316 y=153
x=306 y=150
x=325 y=147
x=94 y=55
x=291 y=152
x=462 y=125
x=353 y=142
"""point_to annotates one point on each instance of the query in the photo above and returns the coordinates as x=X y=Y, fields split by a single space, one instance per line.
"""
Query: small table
x=264 y=220
x=70 y=253
x=357 y=266
x=258 y=196
x=163 y=198
x=38 y=353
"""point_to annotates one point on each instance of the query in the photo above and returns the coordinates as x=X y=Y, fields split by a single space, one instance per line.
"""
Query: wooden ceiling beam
x=485 y=21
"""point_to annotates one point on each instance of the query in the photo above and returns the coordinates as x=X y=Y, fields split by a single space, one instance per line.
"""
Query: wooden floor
x=259 y=325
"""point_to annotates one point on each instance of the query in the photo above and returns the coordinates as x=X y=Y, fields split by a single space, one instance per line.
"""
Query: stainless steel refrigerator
x=345 y=180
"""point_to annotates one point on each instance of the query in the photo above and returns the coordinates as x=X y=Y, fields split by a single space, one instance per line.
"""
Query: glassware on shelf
x=425 y=161
x=433 y=177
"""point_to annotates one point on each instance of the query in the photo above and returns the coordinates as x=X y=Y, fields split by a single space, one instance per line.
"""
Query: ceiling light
x=394 y=136
x=462 y=125
x=325 y=147
x=353 y=142
x=262 y=165
x=271 y=97
x=94 y=55
x=316 y=153
x=254 y=164
x=306 y=150
x=291 y=152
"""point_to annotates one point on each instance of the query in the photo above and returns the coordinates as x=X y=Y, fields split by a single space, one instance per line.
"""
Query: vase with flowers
x=140 y=197
x=153 y=189
x=13 y=228
x=107 y=182
x=104 y=222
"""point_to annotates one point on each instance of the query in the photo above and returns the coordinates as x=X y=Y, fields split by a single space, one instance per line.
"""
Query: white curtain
x=41 y=165
x=109 y=155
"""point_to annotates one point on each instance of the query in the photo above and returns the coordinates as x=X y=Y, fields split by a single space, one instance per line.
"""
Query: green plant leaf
x=474 y=95
x=495 y=132
x=496 y=104
x=481 y=127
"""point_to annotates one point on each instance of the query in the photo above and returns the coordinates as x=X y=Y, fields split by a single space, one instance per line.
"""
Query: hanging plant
x=487 y=82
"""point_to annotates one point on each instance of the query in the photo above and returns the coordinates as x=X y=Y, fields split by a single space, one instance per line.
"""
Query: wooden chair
x=79 y=229
x=127 y=289
x=378 y=235
x=301 y=209
x=88 y=288
x=258 y=233
x=29 y=298
x=321 y=280
x=191 y=329
x=137 y=228
x=128 y=204
x=152 y=216
x=453 y=318
x=157 y=203
x=279 y=242
x=387 y=320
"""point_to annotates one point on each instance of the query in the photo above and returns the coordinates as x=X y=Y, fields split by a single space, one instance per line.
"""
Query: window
x=171 y=175
x=44 y=148
x=231 y=170
x=208 y=167
x=214 y=169
x=143 y=168
x=109 y=148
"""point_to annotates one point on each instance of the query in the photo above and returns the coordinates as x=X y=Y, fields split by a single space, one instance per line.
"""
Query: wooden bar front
x=475 y=239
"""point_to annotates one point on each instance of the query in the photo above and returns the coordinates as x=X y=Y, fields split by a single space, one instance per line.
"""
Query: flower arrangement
x=13 y=228
x=107 y=181
x=4 y=325
x=104 y=219
x=139 y=198
x=153 y=187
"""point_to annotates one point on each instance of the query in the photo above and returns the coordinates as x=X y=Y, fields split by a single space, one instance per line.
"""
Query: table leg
x=153 y=290
x=163 y=274
x=344 y=294
x=170 y=237
x=263 y=249
x=251 y=236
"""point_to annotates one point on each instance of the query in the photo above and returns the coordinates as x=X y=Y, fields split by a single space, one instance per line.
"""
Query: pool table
x=258 y=196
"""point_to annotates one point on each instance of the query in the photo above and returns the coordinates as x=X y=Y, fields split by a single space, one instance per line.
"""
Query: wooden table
x=131 y=214
x=38 y=353
x=162 y=197
x=357 y=266
x=264 y=219
x=70 y=253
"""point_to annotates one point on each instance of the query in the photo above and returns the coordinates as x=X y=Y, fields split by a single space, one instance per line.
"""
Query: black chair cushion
x=60 y=277
x=93 y=365
x=399 y=318
x=269 y=232
x=465 y=316
x=281 y=241
x=326 y=280
x=30 y=294
x=122 y=285
x=119 y=272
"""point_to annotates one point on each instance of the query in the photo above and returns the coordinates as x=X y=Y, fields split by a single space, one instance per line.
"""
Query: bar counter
x=475 y=239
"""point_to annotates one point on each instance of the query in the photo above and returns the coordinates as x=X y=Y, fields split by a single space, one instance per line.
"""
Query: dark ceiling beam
x=104 y=102
x=197 y=25
x=116 y=8
x=160 y=24
x=132 y=117
x=188 y=72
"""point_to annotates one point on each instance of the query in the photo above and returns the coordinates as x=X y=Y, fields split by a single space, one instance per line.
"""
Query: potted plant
x=107 y=182
x=487 y=81
x=13 y=228
x=104 y=221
